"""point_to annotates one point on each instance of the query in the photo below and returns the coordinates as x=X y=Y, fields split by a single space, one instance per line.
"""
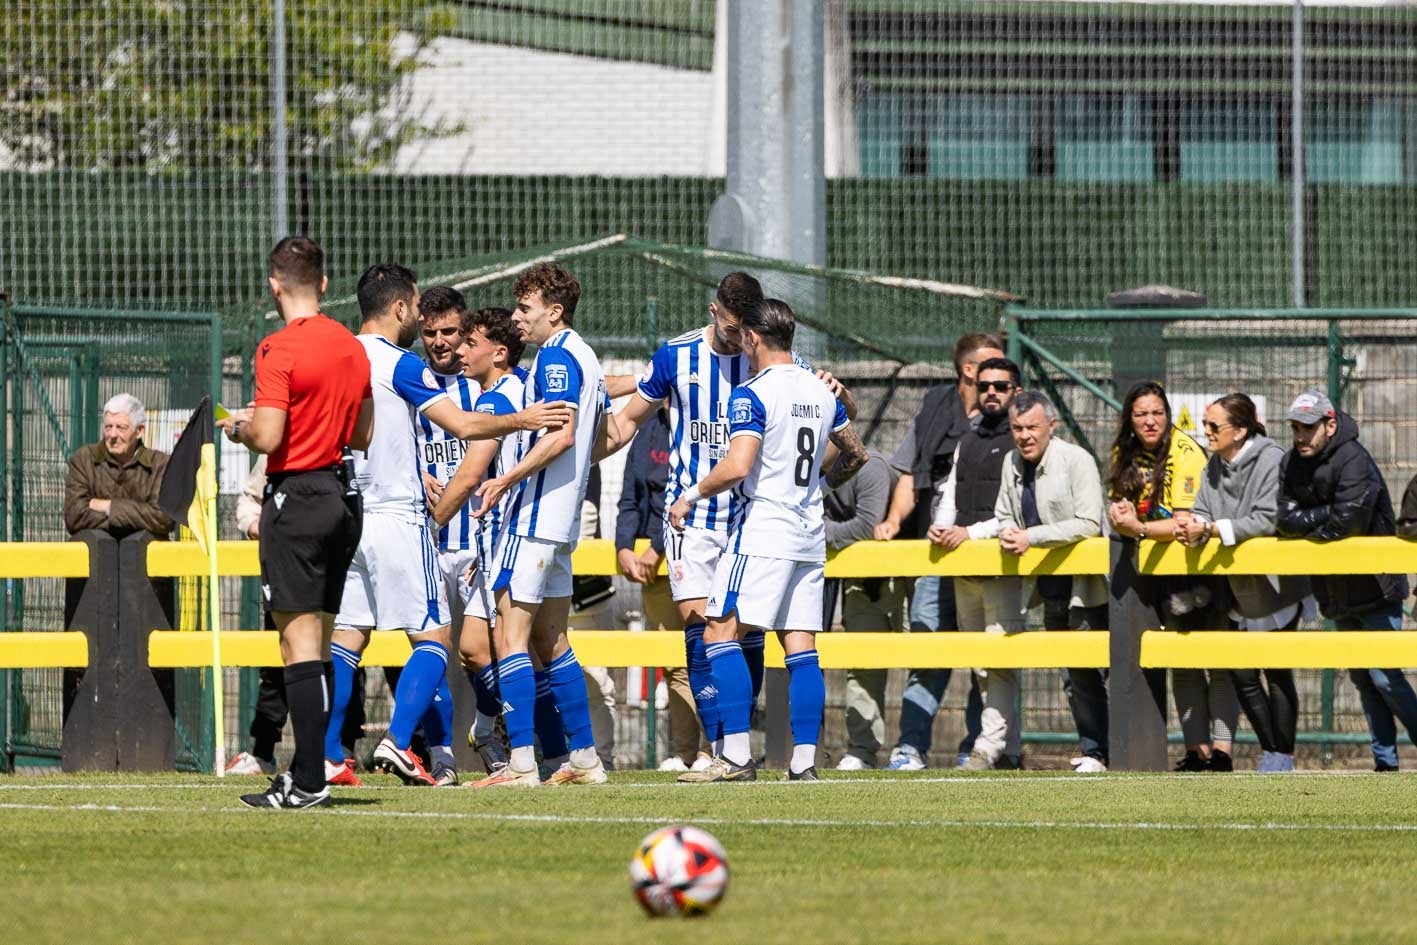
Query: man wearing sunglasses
x=966 y=511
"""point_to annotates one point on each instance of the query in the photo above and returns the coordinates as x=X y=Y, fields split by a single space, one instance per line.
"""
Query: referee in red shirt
x=312 y=400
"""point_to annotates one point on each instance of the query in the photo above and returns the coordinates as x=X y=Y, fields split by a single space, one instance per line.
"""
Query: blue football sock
x=346 y=665
x=484 y=688
x=438 y=720
x=568 y=687
x=735 y=687
x=754 y=642
x=518 y=686
x=701 y=681
x=806 y=695
x=425 y=670
x=549 y=730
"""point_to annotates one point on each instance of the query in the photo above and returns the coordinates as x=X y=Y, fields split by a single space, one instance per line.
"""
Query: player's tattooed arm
x=852 y=458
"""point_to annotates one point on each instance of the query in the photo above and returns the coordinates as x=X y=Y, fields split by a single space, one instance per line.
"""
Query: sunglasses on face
x=1215 y=428
x=1002 y=387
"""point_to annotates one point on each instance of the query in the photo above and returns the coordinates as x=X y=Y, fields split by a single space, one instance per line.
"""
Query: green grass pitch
x=867 y=858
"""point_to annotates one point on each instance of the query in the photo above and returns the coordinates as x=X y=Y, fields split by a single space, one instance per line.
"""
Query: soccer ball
x=679 y=871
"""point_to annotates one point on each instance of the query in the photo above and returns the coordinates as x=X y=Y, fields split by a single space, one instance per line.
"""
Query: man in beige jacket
x=1051 y=495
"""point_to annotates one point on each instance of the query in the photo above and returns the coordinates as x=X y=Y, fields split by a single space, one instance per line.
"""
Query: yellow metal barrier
x=623 y=648
x=43 y=650
x=1278 y=650
x=35 y=559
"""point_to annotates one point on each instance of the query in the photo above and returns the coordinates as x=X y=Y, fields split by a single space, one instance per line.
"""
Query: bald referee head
x=313 y=400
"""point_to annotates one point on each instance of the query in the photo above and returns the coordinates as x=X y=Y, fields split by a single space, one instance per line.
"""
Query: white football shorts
x=533 y=569
x=692 y=554
x=770 y=593
x=394 y=582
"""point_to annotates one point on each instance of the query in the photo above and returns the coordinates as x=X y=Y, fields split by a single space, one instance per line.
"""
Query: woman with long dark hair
x=1152 y=484
x=1239 y=500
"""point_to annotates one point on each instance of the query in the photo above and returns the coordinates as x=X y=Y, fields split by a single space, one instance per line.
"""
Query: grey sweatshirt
x=854 y=509
x=1242 y=498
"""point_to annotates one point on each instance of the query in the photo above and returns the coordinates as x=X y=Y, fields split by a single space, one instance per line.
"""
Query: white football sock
x=584 y=758
x=524 y=758
x=803 y=757
x=736 y=748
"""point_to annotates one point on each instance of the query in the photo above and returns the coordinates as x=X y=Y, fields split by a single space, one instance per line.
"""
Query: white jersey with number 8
x=780 y=512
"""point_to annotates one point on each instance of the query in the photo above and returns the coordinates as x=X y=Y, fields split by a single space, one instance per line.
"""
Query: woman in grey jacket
x=1238 y=500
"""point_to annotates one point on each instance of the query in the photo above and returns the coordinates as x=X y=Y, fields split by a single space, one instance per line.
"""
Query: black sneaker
x=1192 y=762
x=1380 y=766
x=809 y=775
x=284 y=795
x=1221 y=761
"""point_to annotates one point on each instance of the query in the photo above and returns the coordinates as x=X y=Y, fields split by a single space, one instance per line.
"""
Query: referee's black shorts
x=309 y=532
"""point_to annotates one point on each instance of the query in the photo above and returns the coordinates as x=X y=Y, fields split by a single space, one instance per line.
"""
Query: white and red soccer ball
x=679 y=871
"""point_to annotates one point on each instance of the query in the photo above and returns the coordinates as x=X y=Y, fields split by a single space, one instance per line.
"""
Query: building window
x=1229 y=141
x=1104 y=138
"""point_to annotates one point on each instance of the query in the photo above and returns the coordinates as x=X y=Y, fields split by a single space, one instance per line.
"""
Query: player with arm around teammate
x=393 y=582
x=780 y=423
x=541 y=527
x=695 y=374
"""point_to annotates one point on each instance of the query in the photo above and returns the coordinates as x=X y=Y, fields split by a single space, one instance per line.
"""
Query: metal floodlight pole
x=280 y=185
x=1296 y=150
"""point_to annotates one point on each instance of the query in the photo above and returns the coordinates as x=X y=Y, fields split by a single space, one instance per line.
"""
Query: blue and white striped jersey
x=548 y=504
x=502 y=397
x=439 y=453
x=697 y=381
x=389 y=473
x=793 y=413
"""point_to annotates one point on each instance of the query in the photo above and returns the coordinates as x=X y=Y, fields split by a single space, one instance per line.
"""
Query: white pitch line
x=961 y=780
x=912 y=823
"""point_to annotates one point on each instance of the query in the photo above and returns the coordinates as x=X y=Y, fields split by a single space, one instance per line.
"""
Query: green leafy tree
x=153 y=84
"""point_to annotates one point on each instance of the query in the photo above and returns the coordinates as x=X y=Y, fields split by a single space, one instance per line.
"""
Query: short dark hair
x=497 y=325
x=1002 y=364
x=972 y=342
x=382 y=285
x=556 y=285
x=738 y=292
x=298 y=262
x=441 y=300
x=773 y=321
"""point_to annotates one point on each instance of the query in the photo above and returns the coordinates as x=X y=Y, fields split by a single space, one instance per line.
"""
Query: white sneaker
x=247 y=763
x=1087 y=765
x=851 y=763
x=905 y=758
x=673 y=763
x=701 y=762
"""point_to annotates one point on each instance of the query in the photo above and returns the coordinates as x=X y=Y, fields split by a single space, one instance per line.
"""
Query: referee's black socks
x=308 y=695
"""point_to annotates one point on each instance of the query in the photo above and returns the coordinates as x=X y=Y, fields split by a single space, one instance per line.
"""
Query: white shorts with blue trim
x=693 y=556
x=771 y=593
x=533 y=569
x=394 y=582
x=480 y=601
x=452 y=565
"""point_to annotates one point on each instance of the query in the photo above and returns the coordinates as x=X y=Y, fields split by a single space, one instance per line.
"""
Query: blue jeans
x=932 y=608
x=1385 y=693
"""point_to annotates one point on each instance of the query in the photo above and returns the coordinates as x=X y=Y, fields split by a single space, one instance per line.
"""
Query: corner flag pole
x=214 y=604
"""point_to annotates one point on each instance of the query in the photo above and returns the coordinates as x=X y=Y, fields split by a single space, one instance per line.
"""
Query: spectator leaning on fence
x=924 y=460
x=1239 y=500
x=113 y=484
x=1155 y=475
x=641 y=515
x=993 y=604
x=1051 y=495
x=852 y=511
x=1330 y=488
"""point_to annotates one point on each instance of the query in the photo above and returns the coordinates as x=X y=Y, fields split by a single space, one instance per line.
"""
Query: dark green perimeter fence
x=59 y=365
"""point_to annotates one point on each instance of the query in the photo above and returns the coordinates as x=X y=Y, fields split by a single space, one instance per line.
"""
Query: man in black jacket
x=1330 y=488
x=924 y=460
